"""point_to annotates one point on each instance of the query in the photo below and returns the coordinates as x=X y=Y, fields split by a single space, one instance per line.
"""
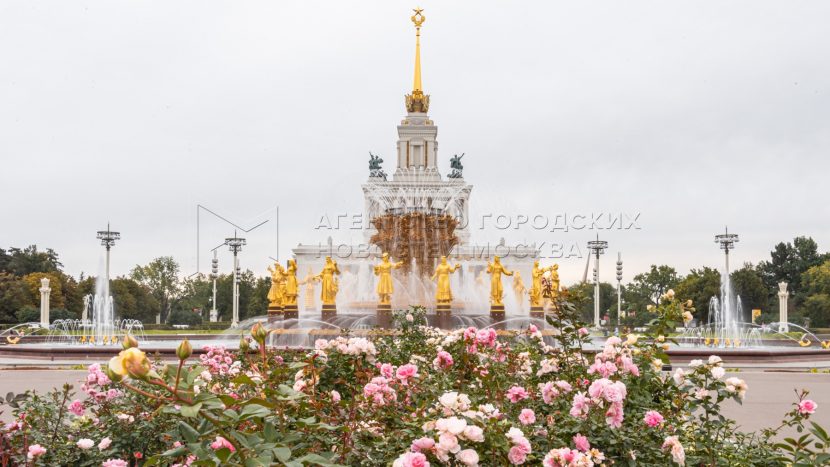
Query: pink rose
x=220 y=443
x=468 y=457
x=104 y=444
x=527 y=417
x=807 y=407
x=387 y=370
x=114 y=463
x=443 y=360
x=517 y=393
x=35 y=450
x=77 y=407
x=581 y=443
x=653 y=418
x=517 y=455
x=335 y=396
x=406 y=372
x=411 y=459
x=422 y=444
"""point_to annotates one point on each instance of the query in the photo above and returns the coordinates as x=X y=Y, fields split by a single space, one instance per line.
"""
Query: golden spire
x=417 y=101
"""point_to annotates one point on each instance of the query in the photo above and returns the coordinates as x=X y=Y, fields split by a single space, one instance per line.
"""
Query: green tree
x=161 y=277
x=581 y=295
x=14 y=295
x=133 y=300
x=197 y=292
x=788 y=261
x=29 y=260
x=56 y=298
x=816 y=281
x=749 y=285
x=699 y=286
x=647 y=288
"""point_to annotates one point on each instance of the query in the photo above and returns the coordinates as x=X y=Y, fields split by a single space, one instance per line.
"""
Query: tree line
x=156 y=289
x=147 y=292
x=799 y=263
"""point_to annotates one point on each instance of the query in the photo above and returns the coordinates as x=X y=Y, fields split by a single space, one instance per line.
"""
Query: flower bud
x=134 y=363
x=111 y=373
x=661 y=338
x=184 y=350
x=129 y=341
x=244 y=344
x=258 y=332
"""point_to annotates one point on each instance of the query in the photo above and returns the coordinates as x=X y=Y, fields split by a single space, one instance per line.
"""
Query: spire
x=417 y=101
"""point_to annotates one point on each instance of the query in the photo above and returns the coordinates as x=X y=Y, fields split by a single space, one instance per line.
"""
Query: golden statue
x=554 y=282
x=384 y=271
x=496 y=269
x=519 y=288
x=328 y=290
x=275 y=293
x=291 y=291
x=443 y=294
x=309 y=281
x=537 y=273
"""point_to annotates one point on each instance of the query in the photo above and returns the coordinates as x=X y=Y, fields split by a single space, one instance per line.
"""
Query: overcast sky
x=694 y=114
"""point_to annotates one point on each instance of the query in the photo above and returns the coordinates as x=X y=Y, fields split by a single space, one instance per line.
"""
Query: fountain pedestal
x=384 y=315
x=290 y=311
x=537 y=312
x=497 y=312
x=274 y=312
x=329 y=310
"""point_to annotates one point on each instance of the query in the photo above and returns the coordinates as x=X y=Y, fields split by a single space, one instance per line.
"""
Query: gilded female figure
x=496 y=269
x=443 y=294
x=384 y=271
x=328 y=290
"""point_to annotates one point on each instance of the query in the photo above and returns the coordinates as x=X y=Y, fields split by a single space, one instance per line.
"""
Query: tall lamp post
x=214 y=274
x=235 y=245
x=597 y=247
x=619 y=287
x=727 y=242
x=108 y=238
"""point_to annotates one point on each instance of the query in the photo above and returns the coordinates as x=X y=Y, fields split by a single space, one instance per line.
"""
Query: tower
x=417 y=185
x=417 y=134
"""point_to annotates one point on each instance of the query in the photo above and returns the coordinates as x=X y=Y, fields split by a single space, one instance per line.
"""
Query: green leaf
x=282 y=453
x=191 y=411
x=223 y=454
x=244 y=379
x=188 y=432
x=254 y=411
x=270 y=432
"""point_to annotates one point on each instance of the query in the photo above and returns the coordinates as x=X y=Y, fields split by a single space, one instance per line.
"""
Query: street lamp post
x=619 y=287
x=214 y=273
x=108 y=238
x=597 y=247
x=727 y=242
x=235 y=245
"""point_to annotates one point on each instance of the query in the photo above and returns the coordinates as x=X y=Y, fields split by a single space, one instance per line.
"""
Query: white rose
x=718 y=372
x=85 y=443
x=449 y=400
x=456 y=425
x=474 y=433
x=468 y=457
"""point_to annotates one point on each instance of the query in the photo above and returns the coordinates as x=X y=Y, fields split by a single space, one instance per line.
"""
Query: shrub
x=416 y=397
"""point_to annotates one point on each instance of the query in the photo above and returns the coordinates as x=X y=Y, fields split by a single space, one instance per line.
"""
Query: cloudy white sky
x=696 y=114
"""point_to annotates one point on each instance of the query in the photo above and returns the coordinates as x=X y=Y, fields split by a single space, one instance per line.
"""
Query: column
x=44 y=302
x=783 y=295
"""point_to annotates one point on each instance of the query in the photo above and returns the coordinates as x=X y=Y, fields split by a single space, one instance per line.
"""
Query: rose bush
x=416 y=397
